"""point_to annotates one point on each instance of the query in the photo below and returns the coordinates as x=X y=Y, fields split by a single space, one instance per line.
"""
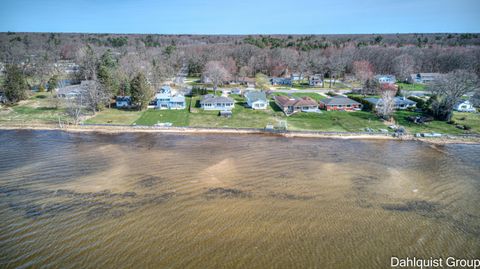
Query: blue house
x=123 y=101
x=256 y=99
x=166 y=100
x=281 y=81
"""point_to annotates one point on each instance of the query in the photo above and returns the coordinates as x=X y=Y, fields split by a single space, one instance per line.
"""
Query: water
x=85 y=200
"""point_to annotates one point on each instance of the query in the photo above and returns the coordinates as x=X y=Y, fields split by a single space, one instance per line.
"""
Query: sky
x=241 y=16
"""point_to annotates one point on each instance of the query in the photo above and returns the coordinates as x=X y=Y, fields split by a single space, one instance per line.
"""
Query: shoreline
x=118 y=129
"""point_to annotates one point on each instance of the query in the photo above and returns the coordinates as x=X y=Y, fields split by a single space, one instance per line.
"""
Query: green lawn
x=115 y=116
x=335 y=121
x=38 y=109
x=154 y=116
x=411 y=87
x=471 y=119
x=313 y=95
x=242 y=117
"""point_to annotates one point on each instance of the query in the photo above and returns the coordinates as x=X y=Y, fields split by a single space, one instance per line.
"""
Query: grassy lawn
x=39 y=109
x=115 y=116
x=154 y=116
x=242 y=117
x=471 y=119
x=411 y=87
x=313 y=95
x=335 y=121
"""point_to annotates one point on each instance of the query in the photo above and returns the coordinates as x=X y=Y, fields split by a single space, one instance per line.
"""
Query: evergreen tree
x=15 y=85
x=141 y=91
x=52 y=83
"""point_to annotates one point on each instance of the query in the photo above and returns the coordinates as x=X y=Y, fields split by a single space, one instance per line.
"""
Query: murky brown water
x=225 y=201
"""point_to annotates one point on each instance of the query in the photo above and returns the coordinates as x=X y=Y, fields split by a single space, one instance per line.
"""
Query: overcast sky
x=240 y=16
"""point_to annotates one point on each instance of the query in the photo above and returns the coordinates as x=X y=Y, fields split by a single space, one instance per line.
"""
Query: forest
x=159 y=56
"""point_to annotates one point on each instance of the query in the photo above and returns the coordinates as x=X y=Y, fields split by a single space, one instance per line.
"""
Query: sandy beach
x=445 y=139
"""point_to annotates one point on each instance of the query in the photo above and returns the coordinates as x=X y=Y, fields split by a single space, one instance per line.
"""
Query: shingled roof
x=286 y=101
x=339 y=100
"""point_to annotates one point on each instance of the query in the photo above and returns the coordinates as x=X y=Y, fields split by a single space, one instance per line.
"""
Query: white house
x=166 y=100
x=315 y=80
x=423 y=77
x=256 y=99
x=296 y=77
x=399 y=102
x=464 y=106
x=385 y=79
x=212 y=102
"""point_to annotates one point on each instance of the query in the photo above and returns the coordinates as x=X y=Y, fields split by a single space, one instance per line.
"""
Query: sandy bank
x=447 y=139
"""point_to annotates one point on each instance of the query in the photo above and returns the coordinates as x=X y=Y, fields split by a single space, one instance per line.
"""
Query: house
x=399 y=102
x=123 y=101
x=340 y=103
x=315 y=80
x=74 y=91
x=167 y=100
x=237 y=91
x=291 y=105
x=212 y=102
x=281 y=81
x=296 y=77
x=164 y=89
x=464 y=106
x=256 y=99
x=424 y=77
x=385 y=79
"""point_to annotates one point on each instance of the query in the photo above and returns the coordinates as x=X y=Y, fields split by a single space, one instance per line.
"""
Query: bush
x=330 y=93
x=451 y=122
x=366 y=106
x=420 y=102
x=467 y=127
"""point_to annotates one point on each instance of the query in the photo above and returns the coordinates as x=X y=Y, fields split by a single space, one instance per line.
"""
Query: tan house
x=290 y=105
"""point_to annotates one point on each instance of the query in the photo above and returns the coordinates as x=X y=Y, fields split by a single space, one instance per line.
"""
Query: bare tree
x=403 y=66
x=244 y=72
x=387 y=106
x=362 y=70
x=74 y=108
x=449 y=89
x=261 y=82
x=94 y=96
x=215 y=71
x=88 y=61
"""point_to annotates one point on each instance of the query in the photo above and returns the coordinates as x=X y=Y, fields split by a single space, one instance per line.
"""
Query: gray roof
x=280 y=80
x=397 y=100
x=123 y=99
x=339 y=100
x=391 y=77
x=177 y=98
x=211 y=99
x=256 y=96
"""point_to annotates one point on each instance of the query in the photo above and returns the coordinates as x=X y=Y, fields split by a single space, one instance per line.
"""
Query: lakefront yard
x=41 y=109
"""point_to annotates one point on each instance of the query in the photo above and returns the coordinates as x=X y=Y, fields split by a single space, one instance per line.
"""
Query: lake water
x=85 y=200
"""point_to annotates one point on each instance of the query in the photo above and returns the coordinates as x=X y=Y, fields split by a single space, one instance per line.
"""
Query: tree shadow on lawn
x=275 y=107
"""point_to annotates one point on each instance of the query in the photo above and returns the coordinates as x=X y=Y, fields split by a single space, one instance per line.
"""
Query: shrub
x=467 y=127
x=366 y=106
x=330 y=93
x=451 y=122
